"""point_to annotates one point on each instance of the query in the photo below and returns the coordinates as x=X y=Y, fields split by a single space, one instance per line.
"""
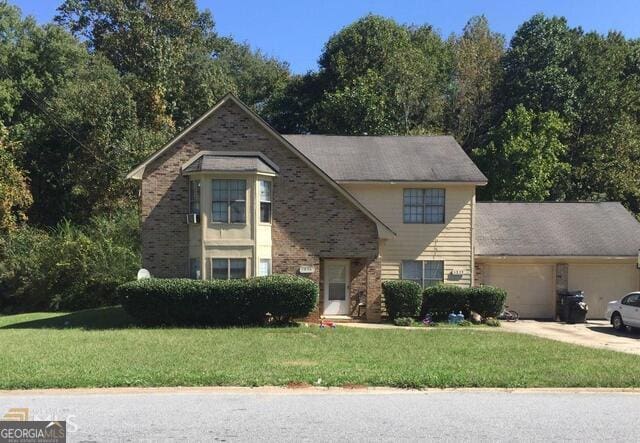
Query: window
x=194 y=197
x=265 y=267
x=632 y=300
x=229 y=201
x=425 y=273
x=423 y=206
x=265 y=201
x=228 y=268
x=194 y=268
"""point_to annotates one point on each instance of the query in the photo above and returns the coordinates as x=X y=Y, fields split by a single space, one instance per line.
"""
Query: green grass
x=101 y=348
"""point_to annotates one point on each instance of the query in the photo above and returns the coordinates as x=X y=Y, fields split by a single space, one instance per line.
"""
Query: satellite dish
x=143 y=273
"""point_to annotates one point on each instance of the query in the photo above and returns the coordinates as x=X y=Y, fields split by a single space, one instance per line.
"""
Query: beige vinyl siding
x=451 y=241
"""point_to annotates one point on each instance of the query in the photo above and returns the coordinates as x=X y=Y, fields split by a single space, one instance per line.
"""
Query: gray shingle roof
x=556 y=229
x=228 y=163
x=388 y=158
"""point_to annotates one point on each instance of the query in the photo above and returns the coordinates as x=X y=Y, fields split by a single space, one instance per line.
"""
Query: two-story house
x=230 y=197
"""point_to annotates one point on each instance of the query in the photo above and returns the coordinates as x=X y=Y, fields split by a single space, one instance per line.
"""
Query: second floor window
x=229 y=201
x=194 y=197
x=423 y=206
x=265 y=201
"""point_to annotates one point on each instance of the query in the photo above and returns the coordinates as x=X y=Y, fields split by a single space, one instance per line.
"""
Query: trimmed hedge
x=402 y=298
x=218 y=302
x=488 y=301
x=441 y=300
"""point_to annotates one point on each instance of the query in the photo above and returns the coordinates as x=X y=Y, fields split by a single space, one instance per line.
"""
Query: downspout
x=473 y=252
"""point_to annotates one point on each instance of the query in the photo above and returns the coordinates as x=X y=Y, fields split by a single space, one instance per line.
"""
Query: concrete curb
x=311 y=390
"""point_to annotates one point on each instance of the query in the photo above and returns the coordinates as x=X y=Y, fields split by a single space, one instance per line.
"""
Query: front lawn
x=81 y=350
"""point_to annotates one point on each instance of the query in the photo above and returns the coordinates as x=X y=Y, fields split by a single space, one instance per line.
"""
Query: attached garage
x=534 y=250
x=602 y=283
x=530 y=287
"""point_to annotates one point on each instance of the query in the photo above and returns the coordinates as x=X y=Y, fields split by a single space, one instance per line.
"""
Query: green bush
x=487 y=301
x=402 y=298
x=441 y=300
x=404 y=321
x=218 y=302
x=493 y=322
x=68 y=267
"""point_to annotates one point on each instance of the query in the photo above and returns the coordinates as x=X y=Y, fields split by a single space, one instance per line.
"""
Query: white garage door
x=602 y=283
x=530 y=287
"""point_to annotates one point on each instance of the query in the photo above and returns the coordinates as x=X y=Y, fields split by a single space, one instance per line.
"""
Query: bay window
x=229 y=201
x=265 y=201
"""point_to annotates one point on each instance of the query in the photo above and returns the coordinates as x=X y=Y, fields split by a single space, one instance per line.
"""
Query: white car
x=624 y=312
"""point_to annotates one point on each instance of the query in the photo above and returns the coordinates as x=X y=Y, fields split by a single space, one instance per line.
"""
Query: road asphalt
x=335 y=415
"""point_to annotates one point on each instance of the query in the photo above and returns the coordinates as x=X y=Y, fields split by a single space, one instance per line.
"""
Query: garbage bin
x=577 y=311
x=571 y=307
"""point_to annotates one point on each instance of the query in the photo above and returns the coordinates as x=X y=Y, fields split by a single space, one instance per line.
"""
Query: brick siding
x=311 y=220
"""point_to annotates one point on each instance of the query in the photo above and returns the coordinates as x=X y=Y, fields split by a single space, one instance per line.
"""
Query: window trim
x=260 y=201
x=228 y=260
x=229 y=201
x=423 y=280
x=424 y=206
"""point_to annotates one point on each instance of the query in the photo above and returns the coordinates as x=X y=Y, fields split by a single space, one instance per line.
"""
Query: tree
x=150 y=40
x=406 y=67
x=359 y=109
x=477 y=73
x=536 y=67
x=174 y=61
x=15 y=197
x=605 y=145
x=523 y=159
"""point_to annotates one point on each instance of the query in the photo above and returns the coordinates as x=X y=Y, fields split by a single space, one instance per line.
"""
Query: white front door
x=336 y=287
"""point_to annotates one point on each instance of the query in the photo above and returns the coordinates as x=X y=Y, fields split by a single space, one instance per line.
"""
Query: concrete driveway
x=594 y=333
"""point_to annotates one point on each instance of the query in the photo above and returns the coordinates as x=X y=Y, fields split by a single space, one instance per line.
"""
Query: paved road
x=333 y=416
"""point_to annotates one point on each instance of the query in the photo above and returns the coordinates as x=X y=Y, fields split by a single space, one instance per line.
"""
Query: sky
x=295 y=31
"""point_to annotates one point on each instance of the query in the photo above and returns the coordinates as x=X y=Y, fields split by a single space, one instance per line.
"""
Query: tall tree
x=536 y=67
x=176 y=64
x=477 y=73
x=150 y=40
x=523 y=160
x=402 y=72
x=605 y=145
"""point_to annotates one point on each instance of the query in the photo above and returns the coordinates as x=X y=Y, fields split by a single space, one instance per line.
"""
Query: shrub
x=218 y=302
x=69 y=266
x=402 y=298
x=487 y=301
x=492 y=322
x=465 y=323
x=404 y=321
x=441 y=300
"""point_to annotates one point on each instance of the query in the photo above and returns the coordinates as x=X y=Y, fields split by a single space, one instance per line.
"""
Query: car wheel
x=617 y=323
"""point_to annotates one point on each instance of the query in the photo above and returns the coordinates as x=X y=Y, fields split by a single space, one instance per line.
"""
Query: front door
x=336 y=287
